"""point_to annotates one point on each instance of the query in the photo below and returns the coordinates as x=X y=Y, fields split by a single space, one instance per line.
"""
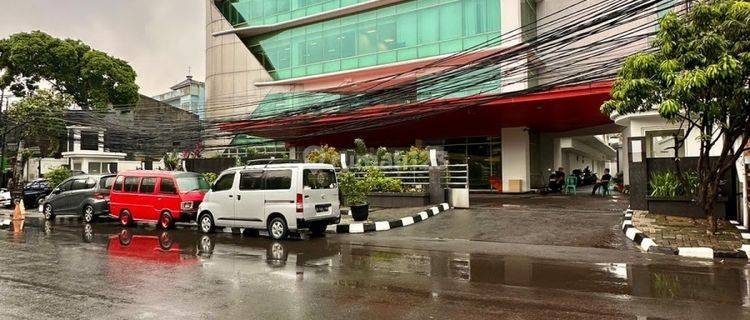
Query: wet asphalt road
x=102 y=271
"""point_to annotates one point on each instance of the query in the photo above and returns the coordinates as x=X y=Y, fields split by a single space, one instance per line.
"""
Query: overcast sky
x=159 y=38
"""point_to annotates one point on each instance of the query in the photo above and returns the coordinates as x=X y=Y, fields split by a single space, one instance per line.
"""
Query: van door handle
x=231 y=196
x=239 y=196
x=307 y=197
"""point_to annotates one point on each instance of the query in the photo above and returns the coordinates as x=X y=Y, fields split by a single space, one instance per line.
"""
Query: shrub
x=326 y=154
x=416 y=156
x=353 y=189
x=210 y=177
x=666 y=184
x=57 y=176
x=378 y=182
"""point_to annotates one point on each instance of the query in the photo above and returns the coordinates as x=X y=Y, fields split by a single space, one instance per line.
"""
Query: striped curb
x=388 y=225
x=648 y=245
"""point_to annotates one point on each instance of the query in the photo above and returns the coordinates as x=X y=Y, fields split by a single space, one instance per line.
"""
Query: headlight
x=186 y=205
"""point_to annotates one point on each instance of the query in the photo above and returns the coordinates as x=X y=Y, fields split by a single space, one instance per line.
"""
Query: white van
x=281 y=198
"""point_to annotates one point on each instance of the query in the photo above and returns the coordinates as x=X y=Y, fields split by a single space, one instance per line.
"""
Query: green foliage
x=697 y=75
x=359 y=147
x=210 y=177
x=92 y=78
x=40 y=118
x=57 y=175
x=171 y=161
x=356 y=189
x=415 y=156
x=378 y=182
x=325 y=154
x=666 y=184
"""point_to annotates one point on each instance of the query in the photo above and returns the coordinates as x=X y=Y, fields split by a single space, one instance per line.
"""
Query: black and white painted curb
x=648 y=245
x=388 y=225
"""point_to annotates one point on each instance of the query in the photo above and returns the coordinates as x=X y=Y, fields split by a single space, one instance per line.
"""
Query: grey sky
x=159 y=38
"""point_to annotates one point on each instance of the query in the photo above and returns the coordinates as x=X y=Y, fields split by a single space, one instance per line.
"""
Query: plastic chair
x=571 y=183
x=606 y=189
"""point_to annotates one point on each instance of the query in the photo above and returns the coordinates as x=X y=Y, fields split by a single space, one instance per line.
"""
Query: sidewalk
x=675 y=232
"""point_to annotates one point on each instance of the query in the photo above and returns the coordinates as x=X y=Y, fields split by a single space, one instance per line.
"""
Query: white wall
x=31 y=170
x=516 y=156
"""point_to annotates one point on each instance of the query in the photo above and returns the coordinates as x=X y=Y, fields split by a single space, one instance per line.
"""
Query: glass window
x=192 y=182
x=95 y=167
x=131 y=184
x=65 y=186
x=319 y=179
x=252 y=180
x=278 y=179
x=118 y=183
x=148 y=185
x=224 y=182
x=451 y=20
x=106 y=182
x=429 y=25
x=90 y=183
x=661 y=144
x=89 y=140
x=167 y=186
x=78 y=184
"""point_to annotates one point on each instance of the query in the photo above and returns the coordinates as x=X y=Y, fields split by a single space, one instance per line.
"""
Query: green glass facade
x=402 y=32
x=245 y=13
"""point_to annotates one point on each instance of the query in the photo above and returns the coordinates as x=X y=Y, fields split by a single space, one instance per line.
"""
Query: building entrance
x=482 y=154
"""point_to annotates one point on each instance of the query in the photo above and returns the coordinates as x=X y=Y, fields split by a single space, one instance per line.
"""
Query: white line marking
x=445 y=206
x=435 y=210
x=407 y=221
x=696 y=252
x=423 y=215
x=382 y=225
x=356 y=228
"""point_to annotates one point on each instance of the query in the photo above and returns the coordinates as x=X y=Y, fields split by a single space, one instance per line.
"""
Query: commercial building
x=188 y=95
x=259 y=53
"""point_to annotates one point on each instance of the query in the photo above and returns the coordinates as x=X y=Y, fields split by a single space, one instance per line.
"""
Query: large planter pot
x=398 y=199
x=684 y=207
x=360 y=212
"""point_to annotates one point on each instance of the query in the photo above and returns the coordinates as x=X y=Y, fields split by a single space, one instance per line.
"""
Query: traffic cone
x=19 y=211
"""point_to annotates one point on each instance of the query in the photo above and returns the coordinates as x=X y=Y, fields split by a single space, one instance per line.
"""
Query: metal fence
x=418 y=176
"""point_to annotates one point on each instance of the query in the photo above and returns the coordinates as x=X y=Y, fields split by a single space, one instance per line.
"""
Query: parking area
x=579 y=220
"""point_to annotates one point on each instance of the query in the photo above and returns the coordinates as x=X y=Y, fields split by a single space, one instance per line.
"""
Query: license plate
x=322 y=208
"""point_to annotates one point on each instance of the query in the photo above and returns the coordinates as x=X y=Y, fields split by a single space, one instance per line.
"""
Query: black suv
x=34 y=192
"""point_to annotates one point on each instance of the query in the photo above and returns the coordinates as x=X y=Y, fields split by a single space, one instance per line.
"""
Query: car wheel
x=125 y=237
x=88 y=233
x=125 y=218
x=165 y=240
x=206 y=223
x=48 y=213
x=205 y=246
x=166 y=221
x=318 y=228
x=40 y=201
x=88 y=214
x=277 y=228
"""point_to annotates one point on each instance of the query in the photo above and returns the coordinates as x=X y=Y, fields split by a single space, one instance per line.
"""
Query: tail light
x=186 y=205
x=300 y=206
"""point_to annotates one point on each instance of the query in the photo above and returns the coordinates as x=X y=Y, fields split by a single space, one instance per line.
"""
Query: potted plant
x=355 y=192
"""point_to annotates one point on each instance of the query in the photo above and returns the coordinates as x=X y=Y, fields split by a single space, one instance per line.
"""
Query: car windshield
x=192 y=183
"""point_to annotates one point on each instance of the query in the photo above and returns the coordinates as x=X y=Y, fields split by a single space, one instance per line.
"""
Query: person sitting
x=560 y=177
x=603 y=182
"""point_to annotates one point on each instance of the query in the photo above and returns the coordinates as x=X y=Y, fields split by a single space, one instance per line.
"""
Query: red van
x=162 y=197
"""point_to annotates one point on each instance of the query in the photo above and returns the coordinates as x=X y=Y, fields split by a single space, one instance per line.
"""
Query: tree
x=92 y=78
x=697 y=75
x=57 y=175
x=40 y=119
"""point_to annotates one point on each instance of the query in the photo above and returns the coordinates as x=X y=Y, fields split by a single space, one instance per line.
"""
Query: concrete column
x=516 y=156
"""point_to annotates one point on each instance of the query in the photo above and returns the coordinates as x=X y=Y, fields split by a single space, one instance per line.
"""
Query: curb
x=388 y=225
x=648 y=245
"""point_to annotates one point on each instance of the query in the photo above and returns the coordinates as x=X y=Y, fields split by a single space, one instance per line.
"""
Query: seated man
x=603 y=182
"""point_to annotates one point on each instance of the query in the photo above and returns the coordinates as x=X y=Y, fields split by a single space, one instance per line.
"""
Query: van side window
x=131 y=184
x=167 y=186
x=224 y=183
x=278 y=180
x=148 y=185
x=251 y=180
x=118 y=183
x=106 y=183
